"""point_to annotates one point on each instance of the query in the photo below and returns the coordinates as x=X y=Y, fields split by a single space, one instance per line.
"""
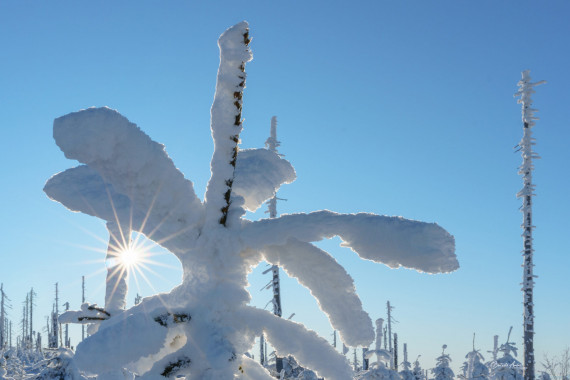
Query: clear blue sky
x=392 y=107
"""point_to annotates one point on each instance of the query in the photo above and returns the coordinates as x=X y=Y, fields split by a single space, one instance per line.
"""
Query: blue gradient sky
x=392 y=107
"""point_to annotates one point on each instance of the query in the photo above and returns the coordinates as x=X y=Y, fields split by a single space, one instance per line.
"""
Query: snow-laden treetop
x=128 y=179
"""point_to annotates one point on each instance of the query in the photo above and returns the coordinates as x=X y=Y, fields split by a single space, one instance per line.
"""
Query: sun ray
x=148 y=269
x=117 y=221
x=149 y=283
x=147 y=215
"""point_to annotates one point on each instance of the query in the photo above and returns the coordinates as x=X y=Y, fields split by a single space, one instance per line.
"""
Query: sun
x=129 y=257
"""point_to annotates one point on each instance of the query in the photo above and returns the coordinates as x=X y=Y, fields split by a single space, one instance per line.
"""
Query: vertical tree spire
x=261 y=350
x=379 y=323
x=26 y=320
x=271 y=144
x=395 y=352
x=526 y=193
x=226 y=120
x=390 y=319
x=31 y=318
x=3 y=306
x=66 y=341
x=82 y=302
x=54 y=322
x=334 y=338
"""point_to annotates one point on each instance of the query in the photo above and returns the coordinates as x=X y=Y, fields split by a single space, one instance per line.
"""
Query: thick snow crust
x=163 y=202
x=259 y=174
x=328 y=282
x=203 y=328
x=393 y=241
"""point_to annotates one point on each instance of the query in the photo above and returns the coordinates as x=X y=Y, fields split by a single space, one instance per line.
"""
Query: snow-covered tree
x=272 y=144
x=507 y=367
x=380 y=369
x=380 y=373
x=3 y=371
x=292 y=370
x=3 y=312
x=557 y=367
x=390 y=318
x=476 y=368
x=495 y=347
x=61 y=366
x=418 y=371
x=32 y=294
x=307 y=374
x=406 y=373
x=544 y=376
x=203 y=328
x=526 y=89
x=53 y=324
x=442 y=370
x=82 y=302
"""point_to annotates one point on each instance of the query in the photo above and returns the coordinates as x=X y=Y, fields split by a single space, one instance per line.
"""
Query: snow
x=476 y=368
x=291 y=338
x=163 y=201
x=393 y=241
x=506 y=367
x=252 y=370
x=442 y=370
x=87 y=314
x=116 y=291
x=383 y=357
x=259 y=174
x=329 y=283
x=82 y=189
x=204 y=327
x=62 y=366
x=226 y=124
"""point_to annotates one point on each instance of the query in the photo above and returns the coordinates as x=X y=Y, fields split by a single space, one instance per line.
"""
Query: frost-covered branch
x=254 y=371
x=226 y=120
x=329 y=283
x=106 y=351
x=291 y=338
x=259 y=174
x=127 y=170
x=89 y=313
x=393 y=241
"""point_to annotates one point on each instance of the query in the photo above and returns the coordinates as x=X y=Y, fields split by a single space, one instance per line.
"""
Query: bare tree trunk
x=32 y=294
x=2 y=317
x=395 y=352
x=272 y=145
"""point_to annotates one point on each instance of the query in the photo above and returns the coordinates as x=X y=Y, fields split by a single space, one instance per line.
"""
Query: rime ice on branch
x=204 y=327
x=526 y=89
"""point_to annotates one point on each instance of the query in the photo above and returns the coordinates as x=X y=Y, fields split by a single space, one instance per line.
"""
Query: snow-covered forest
x=210 y=324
